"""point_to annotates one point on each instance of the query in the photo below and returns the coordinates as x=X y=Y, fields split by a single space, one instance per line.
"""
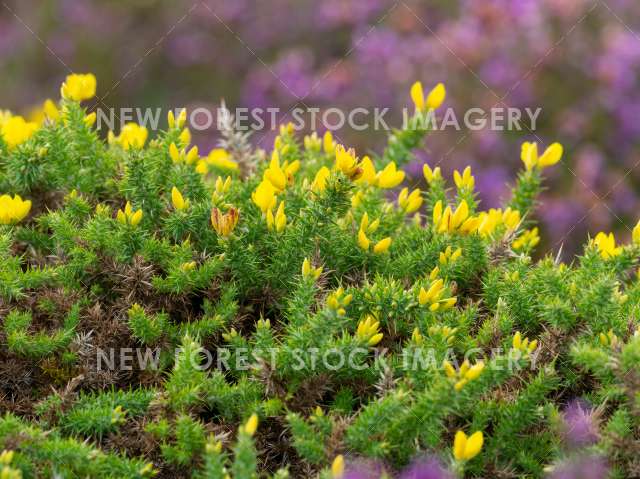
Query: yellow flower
x=466 y=448
x=179 y=203
x=434 y=273
x=328 y=144
x=446 y=333
x=291 y=169
x=490 y=221
x=185 y=137
x=132 y=136
x=368 y=330
x=275 y=174
x=224 y=224
x=337 y=467
x=51 y=111
x=308 y=271
x=431 y=175
x=368 y=227
x=177 y=122
x=609 y=339
x=389 y=177
x=368 y=171
x=13 y=210
x=606 y=245
x=264 y=196
x=460 y=215
x=281 y=218
x=312 y=142
x=529 y=155
x=382 y=246
x=128 y=216
x=181 y=156
x=148 y=471
x=449 y=256
x=511 y=219
x=337 y=301
x=434 y=99
x=174 y=153
x=410 y=202
x=287 y=129
x=356 y=199
x=221 y=187
x=15 y=131
x=465 y=181
x=432 y=294
x=279 y=221
x=527 y=240
x=90 y=119
x=449 y=220
x=465 y=374
x=363 y=241
x=220 y=158
x=347 y=163
x=79 y=87
x=202 y=167
x=188 y=266
x=251 y=425
x=6 y=457
x=523 y=344
x=47 y=112
x=551 y=156
x=320 y=181
x=192 y=156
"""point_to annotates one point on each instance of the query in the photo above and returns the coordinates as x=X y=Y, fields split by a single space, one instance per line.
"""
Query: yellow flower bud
x=337 y=467
x=178 y=201
x=251 y=425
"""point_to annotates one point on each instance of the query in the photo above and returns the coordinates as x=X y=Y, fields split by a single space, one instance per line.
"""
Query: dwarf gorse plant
x=298 y=312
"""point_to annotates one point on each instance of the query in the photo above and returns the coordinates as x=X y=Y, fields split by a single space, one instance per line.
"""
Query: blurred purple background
x=579 y=60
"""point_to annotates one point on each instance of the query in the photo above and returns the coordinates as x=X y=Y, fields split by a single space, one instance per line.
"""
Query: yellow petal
x=177 y=199
x=529 y=155
x=473 y=445
x=461 y=214
x=551 y=156
x=636 y=233
x=517 y=340
x=251 y=425
x=382 y=245
x=436 y=97
x=437 y=213
x=363 y=241
x=417 y=95
x=327 y=143
x=474 y=371
x=136 y=218
x=459 y=445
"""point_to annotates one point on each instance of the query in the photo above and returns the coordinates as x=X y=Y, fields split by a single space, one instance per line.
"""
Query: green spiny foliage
x=294 y=316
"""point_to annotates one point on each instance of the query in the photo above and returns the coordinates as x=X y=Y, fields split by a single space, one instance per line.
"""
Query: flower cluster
x=465 y=374
x=299 y=299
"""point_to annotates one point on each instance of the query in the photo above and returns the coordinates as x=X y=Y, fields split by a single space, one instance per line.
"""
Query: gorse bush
x=284 y=314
